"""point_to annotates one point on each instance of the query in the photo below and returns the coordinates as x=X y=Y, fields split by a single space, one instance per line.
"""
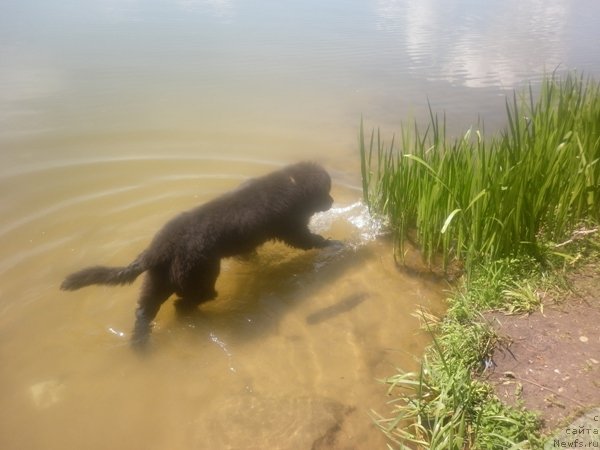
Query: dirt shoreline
x=552 y=361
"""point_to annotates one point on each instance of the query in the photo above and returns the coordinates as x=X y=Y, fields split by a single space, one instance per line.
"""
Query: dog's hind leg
x=198 y=287
x=155 y=291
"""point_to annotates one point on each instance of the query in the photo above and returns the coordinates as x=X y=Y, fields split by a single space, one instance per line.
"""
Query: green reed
x=472 y=198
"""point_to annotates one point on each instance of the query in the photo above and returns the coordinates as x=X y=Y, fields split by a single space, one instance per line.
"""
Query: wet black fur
x=184 y=256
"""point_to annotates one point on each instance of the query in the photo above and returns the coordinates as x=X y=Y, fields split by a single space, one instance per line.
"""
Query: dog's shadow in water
x=264 y=292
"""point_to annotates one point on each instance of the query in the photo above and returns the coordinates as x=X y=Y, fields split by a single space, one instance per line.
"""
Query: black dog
x=184 y=257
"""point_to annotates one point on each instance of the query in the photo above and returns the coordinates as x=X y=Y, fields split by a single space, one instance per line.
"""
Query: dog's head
x=314 y=183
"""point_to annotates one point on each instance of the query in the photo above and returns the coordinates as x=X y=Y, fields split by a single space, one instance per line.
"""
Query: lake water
x=117 y=114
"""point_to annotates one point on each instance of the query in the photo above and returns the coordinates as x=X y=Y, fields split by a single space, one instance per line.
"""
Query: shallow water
x=116 y=115
x=288 y=352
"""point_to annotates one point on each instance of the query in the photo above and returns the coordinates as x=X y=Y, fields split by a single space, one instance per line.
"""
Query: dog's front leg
x=304 y=239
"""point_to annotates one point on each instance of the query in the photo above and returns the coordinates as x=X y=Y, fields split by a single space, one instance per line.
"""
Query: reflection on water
x=117 y=114
x=257 y=68
x=500 y=44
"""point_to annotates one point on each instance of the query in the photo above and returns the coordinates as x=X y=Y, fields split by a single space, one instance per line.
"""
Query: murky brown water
x=116 y=115
x=288 y=353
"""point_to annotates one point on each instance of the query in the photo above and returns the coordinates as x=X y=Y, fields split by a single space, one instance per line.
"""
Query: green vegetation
x=469 y=198
x=496 y=208
x=448 y=404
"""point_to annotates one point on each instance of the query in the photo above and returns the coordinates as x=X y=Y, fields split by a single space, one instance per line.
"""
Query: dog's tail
x=104 y=275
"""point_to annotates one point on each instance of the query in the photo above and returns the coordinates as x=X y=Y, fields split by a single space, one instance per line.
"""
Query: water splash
x=215 y=339
x=116 y=332
x=364 y=227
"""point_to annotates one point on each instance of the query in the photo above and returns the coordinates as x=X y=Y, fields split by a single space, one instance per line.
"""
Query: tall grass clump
x=472 y=199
